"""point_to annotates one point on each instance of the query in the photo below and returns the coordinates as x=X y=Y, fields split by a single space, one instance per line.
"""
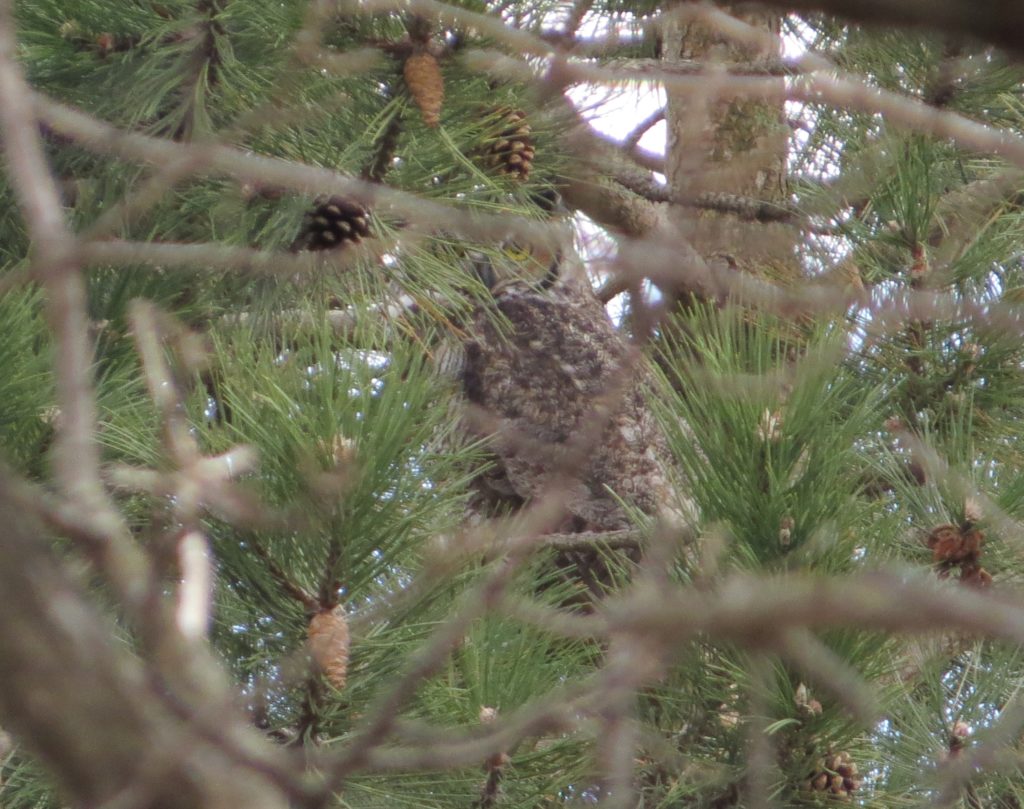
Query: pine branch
x=202 y=67
x=387 y=146
x=310 y=602
x=588 y=540
x=260 y=170
x=747 y=209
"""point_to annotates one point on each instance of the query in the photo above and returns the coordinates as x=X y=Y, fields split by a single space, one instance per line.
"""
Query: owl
x=563 y=395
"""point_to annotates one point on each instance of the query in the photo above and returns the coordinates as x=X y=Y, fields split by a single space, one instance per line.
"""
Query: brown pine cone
x=328 y=640
x=425 y=81
x=510 y=149
x=333 y=222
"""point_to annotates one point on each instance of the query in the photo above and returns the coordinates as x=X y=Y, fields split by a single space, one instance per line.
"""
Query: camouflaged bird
x=563 y=394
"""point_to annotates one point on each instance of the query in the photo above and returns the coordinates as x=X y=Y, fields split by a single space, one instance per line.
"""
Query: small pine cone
x=837 y=775
x=334 y=222
x=946 y=543
x=958 y=736
x=426 y=85
x=843 y=765
x=511 y=149
x=328 y=639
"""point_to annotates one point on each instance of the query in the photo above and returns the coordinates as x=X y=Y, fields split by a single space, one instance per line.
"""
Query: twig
x=641 y=129
x=51 y=651
x=384 y=153
x=174 y=255
x=760 y=757
x=626 y=670
x=56 y=265
x=839 y=90
x=752 y=210
x=284 y=581
x=744 y=608
x=341 y=321
x=628 y=539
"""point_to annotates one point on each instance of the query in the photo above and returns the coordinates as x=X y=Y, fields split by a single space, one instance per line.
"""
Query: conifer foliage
x=240 y=559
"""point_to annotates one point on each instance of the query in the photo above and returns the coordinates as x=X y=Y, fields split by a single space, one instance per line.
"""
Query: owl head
x=543 y=267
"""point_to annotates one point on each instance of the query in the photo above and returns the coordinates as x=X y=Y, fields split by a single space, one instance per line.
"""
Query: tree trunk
x=721 y=150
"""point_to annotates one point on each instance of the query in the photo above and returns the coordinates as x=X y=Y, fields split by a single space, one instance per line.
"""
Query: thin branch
x=642 y=128
x=54 y=640
x=643 y=186
x=284 y=581
x=840 y=90
x=177 y=255
x=746 y=208
x=55 y=264
x=628 y=539
x=214 y=158
x=747 y=609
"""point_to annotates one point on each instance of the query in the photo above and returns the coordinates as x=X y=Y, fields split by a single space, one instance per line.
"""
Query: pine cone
x=836 y=775
x=333 y=222
x=511 y=149
x=426 y=85
x=945 y=542
x=328 y=639
x=953 y=547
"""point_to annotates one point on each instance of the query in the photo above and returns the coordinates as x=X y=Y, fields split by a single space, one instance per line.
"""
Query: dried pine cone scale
x=334 y=222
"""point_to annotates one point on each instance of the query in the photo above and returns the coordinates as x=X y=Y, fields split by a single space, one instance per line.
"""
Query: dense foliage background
x=268 y=584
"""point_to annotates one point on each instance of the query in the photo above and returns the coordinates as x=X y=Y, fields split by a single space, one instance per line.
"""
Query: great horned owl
x=566 y=394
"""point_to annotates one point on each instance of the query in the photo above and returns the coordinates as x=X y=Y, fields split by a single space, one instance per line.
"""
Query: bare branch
x=585 y=540
x=54 y=640
x=841 y=90
x=55 y=263
x=749 y=610
x=309 y=601
x=642 y=128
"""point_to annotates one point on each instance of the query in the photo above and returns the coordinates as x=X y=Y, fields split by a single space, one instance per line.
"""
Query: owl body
x=565 y=396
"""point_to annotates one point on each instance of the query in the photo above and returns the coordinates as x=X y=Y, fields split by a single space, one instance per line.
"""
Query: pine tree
x=277 y=585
